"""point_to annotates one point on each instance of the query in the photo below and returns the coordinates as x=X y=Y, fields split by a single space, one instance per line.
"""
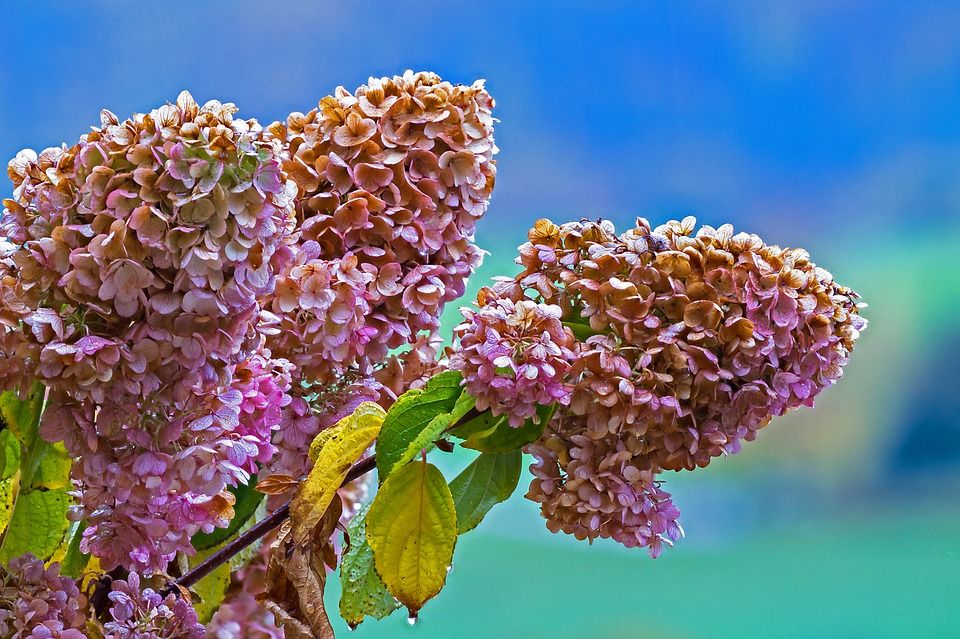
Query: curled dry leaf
x=296 y=577
x=277 y=484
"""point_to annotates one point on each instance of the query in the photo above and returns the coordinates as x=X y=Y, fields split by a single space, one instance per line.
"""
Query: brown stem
x=258 y=530
x=273 y=520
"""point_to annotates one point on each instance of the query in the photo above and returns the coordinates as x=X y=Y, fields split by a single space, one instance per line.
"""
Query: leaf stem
x=271 y=521
x=255 y=532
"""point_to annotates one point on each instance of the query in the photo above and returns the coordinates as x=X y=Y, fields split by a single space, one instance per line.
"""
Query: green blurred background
x=828 y=125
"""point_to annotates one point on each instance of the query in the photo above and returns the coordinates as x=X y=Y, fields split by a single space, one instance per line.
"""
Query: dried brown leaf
x=277 y=484
x=296 y=577
x=292 y=628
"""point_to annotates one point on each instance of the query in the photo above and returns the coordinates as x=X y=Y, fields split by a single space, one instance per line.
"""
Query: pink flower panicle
x=606 y=488
x=37 y=603
x=142 y=613
x=196 y=312
x=513 y=356
x=146 y=482
x=141 y=251
x=391 y=180
x=132 y=291
x=689 y=343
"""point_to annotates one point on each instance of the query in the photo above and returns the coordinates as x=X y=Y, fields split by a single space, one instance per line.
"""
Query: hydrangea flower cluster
x=140 y=251
x=242 y=616
x=193 y=310
x=688 y=344
x=513 y=356
x=144 y=614
x=37 y=603
x=148 y=481
x=391 y=180
x=601 y=487
x=131 y=289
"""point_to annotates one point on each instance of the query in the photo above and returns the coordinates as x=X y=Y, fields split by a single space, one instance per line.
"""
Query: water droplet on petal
x=413 y=618
x=449 y=569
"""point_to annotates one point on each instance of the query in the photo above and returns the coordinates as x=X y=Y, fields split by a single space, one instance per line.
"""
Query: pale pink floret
x=37 y=603
x=513 y=356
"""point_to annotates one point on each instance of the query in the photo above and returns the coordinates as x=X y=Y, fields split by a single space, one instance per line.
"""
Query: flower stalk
x=277 y=517
x=258 y=530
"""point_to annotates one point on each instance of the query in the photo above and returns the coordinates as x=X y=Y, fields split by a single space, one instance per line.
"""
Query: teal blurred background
x=829 y=125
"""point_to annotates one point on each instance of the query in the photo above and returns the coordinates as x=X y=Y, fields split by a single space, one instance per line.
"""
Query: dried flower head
x=689 y=342
x=391 y=180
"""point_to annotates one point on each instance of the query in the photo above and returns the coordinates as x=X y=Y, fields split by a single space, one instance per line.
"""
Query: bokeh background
x=832 y=125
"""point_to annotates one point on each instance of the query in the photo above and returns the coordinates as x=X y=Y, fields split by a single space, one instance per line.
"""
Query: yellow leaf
x=412 y=528
x=341 y=446
x=7 y=489
x=321 y=439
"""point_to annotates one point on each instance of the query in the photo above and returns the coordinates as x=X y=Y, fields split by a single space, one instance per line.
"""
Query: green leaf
x=465 y=403
x=38 y=524
x=483 y=423
x=351 y=437
x=9 y=454
x=248 y=499
x=52 y=468
x=210 y=590
x=362 y=591
x=425 y=439
x=412 y=528
x=22 y=418
x=504 y=438
x=38 y=491
x=487 y=481
x=75 y=561
x=412 y=413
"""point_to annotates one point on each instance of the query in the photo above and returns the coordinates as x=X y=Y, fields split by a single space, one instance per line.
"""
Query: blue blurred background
x=829 y=125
